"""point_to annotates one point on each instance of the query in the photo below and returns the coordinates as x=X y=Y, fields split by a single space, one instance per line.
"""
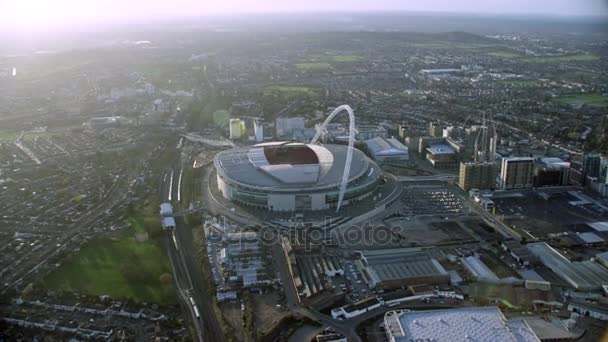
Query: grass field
x=314 y=66
x=504 y=54
x=453 y=45
x=291 y=91
x=11 y=135
x=120 y=266
x=546 y=59
x=559 y=59
x=335 y=58
x=588 y=99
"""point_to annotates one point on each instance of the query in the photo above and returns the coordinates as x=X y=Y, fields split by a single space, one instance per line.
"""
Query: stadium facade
x=288 y=176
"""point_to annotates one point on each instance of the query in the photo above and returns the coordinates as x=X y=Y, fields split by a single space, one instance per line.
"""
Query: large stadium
x=288 y=176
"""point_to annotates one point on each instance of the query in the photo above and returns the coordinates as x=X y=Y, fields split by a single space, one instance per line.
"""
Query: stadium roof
x=296 y=165
x=464 y=324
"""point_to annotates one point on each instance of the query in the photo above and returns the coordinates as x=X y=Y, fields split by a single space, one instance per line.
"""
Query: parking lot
x=430 y=200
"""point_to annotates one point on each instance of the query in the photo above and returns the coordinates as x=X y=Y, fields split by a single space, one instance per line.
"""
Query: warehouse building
x=464 y=324
x=583 y=275
x=387 y=150
x=394 y=268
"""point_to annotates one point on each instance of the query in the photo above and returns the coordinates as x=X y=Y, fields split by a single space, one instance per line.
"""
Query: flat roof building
x=464 y=324
x=441 y=156
x=393 y=268
x=582 y=275
x=383 y=150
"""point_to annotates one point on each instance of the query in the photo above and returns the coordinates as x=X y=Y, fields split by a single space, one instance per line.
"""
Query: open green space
x=544 y=59
x=453 y=45
x=504 y=54
x=120 y=266
x=559 y=59
x=12 y=135
x=290 y=92
x=587 y=99
x=335 y=58
x=314 y=66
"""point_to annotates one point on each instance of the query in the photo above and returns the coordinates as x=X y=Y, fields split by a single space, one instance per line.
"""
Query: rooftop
x=282 y=164
x=465 y=324
x=400 y=265
x=440 y=149
x=583 y=275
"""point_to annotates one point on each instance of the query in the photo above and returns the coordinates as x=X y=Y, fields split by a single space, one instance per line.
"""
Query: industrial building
x=441 y=156
x=387 y=150
x=393 y=269
x=516 y=172
x=477 y=175
x=463 y=324
x=551 y=172
x=582 y=275
x=244 y=260
x=284 y=176
x=314 y=271
x=478 y=269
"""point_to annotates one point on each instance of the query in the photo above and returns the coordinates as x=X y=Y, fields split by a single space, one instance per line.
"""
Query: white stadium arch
x=351 y=142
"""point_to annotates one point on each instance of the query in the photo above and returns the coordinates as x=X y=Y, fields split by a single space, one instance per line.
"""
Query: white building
x=383 y=150
x=464 y=324
x=258 y=131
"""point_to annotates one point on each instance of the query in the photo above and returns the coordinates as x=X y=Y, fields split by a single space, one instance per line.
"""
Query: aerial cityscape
x=392 y=175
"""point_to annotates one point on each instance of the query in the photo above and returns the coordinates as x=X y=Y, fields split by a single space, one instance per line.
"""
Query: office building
x=517 y=172
x=441 y=156
x=477 y=175
x=435 y=130
x=551 y=172
x=591 y=167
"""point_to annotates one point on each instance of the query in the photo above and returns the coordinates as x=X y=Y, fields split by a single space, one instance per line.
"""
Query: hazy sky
x=41 y=15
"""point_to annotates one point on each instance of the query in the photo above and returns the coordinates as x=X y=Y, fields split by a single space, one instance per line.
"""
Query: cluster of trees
x=207 y=111
x=598 y=139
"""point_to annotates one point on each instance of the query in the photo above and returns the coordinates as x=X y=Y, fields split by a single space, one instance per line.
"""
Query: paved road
x=439 y=178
